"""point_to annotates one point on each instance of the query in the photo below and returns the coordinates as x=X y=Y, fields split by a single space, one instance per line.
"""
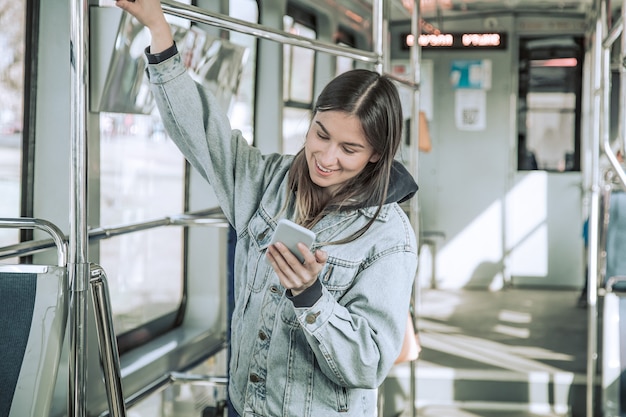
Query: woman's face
x=336 y=149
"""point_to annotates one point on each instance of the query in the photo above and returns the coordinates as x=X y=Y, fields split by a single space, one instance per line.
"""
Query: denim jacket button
x=262 y=235
x=274 y=289
x=262 y=335
x=255 y=378
x=311 y=317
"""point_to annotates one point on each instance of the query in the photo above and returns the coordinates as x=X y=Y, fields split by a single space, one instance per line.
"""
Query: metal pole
x=78 y=268
x=621 y=136
x=198 y=15
x=108 y=343
x=46 y=226
x=622 y=86
x=592 y=261
x=415 y=65
x=210 y=217
x=607 y=44
x=378 y=35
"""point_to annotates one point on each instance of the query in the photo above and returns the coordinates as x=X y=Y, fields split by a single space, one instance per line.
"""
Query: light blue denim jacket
x=322 y=361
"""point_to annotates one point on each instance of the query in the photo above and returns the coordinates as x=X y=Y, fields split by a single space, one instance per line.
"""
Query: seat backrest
x=33 y=316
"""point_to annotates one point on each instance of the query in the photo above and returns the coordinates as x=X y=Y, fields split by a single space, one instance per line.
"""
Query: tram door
x=546 y=234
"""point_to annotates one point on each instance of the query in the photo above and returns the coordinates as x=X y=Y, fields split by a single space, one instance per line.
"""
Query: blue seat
x=34 y=308
x=616 y=237
x=33 y=311
x=613 y=347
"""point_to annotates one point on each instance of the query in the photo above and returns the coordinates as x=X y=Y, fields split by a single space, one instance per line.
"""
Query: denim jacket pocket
x=338 y=275
x=260 y=231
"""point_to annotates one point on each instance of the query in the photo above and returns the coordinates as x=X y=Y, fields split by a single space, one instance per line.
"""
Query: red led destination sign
x=457 y=40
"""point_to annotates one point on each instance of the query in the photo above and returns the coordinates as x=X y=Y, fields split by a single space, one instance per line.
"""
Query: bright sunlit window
x=12 y=20
x=142 y=172
x=297 y=87
x=142 y=178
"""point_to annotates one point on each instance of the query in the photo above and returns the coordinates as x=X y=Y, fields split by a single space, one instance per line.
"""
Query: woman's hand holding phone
x=291 y=258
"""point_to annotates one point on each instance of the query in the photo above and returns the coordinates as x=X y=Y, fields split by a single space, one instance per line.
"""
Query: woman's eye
x=322 y=135
x=348 y=151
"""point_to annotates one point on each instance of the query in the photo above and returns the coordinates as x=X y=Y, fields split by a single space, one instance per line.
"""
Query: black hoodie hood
x=402 y=186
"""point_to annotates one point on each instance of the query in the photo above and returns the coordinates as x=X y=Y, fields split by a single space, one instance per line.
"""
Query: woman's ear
x=375 y=157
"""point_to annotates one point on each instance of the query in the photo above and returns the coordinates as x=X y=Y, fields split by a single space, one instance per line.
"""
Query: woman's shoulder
x=391 y=215
x=276 y=167
x=397 y=223
x=392 y=230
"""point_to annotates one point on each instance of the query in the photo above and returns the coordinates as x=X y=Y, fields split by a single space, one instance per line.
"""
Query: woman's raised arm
x=150 y=14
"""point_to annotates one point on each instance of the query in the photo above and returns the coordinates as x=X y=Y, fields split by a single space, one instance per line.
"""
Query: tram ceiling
x=438 y=9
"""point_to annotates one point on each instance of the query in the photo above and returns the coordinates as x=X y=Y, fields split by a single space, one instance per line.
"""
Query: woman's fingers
x=148 y=12
x=321 y=256
x=293 y=274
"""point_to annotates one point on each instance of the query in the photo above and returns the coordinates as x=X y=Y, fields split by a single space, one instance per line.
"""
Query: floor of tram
x=511 y=353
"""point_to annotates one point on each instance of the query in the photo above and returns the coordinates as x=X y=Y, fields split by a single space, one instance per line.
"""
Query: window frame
x=557 y=54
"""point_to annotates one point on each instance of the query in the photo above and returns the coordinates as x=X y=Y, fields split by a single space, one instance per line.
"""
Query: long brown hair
x=374 y=100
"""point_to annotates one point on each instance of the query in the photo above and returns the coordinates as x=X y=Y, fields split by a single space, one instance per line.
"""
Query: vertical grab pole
x=378 y=34
x=78 y=268
x=594 y=212
x=416 y=75
x=622 y=84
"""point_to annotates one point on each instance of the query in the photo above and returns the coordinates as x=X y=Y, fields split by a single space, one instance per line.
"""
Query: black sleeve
x=307 y=297
x=161 y=56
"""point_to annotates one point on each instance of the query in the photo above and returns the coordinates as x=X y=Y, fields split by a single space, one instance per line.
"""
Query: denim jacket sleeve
x=356 y=342
x=202 y=131
x=357 y=327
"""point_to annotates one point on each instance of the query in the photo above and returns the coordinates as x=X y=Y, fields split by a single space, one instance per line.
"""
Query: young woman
x=314 y=338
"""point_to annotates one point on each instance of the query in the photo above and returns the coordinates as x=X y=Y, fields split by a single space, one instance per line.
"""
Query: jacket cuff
x=308 y=297
x=161 y=56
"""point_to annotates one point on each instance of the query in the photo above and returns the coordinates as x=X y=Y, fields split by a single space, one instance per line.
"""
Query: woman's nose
x=328 y=155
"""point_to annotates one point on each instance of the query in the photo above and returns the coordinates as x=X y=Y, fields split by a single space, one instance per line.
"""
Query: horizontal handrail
x=58 y=238
x=190 y=378
x=210 y=217
x=198 y=15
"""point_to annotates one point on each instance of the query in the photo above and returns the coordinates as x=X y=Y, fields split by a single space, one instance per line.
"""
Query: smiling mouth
x=322 y=169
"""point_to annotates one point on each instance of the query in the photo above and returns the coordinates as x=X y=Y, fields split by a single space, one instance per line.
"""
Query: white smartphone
x=289 y=234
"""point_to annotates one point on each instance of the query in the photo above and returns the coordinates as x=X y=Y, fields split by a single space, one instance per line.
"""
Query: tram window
x=12 y=92
x=242 y=112
x=344 y=63
x=140 y=167
x=297 y=84
x=550 y=73
x=295 y=126
x=298 y=65
x=142 y=177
